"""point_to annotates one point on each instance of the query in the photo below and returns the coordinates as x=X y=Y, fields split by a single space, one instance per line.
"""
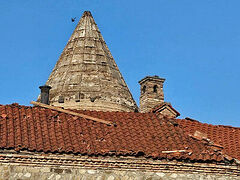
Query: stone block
x=45 y=169
x=92 y=171
x=58 y=177
x=33 y=169
x=27 y=175
x=58 y=171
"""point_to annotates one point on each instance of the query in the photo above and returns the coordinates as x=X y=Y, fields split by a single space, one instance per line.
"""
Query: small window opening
x=144 y=89
x=155 y=88
x=61 y=99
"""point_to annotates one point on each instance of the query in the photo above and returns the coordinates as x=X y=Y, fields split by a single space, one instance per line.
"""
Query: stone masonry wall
x=21 y=172
x=25 y=165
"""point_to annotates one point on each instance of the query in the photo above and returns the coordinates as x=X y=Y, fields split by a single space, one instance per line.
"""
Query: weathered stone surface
x=27 y=175
x=100 y=169
x=86 y=75
x=151 y=92
x=114 y=175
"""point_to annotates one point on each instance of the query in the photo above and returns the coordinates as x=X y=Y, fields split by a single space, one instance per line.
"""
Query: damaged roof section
x=136 y=134
x=225 y=137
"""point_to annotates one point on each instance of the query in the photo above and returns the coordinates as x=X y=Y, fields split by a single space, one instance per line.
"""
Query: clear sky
x=194 y=44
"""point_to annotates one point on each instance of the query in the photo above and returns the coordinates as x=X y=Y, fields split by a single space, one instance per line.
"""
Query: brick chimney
x=151 y=92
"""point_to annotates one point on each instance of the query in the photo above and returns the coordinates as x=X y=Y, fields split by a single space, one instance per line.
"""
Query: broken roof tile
x=223 y=137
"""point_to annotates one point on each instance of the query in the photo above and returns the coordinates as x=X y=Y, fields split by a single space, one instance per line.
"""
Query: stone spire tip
x=87 y=13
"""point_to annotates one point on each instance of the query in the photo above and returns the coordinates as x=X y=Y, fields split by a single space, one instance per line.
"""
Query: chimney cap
x=45 y=87
x=152 y=78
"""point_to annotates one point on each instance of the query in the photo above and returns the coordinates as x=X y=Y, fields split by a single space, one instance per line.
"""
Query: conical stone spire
x=86 y=75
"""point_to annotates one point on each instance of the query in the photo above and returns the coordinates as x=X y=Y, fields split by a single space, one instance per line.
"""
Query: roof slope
x=227 y=136
x=136 y=134
x=86 y=75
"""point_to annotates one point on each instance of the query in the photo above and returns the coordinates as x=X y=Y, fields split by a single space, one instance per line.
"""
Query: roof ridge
x=75 y=110
x=219 y=125
x=227 y=126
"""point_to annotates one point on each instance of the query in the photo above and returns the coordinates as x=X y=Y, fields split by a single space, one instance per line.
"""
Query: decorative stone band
x=114 y=163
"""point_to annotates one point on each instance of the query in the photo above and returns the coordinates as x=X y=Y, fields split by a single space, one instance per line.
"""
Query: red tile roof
x=137 y=134
x=226 y=136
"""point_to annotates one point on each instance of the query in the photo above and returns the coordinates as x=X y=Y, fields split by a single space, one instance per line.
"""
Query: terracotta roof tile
x=226 y=137
x=145 y=134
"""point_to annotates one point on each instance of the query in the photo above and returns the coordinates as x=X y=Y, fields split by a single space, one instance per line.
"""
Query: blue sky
x=195 y=45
